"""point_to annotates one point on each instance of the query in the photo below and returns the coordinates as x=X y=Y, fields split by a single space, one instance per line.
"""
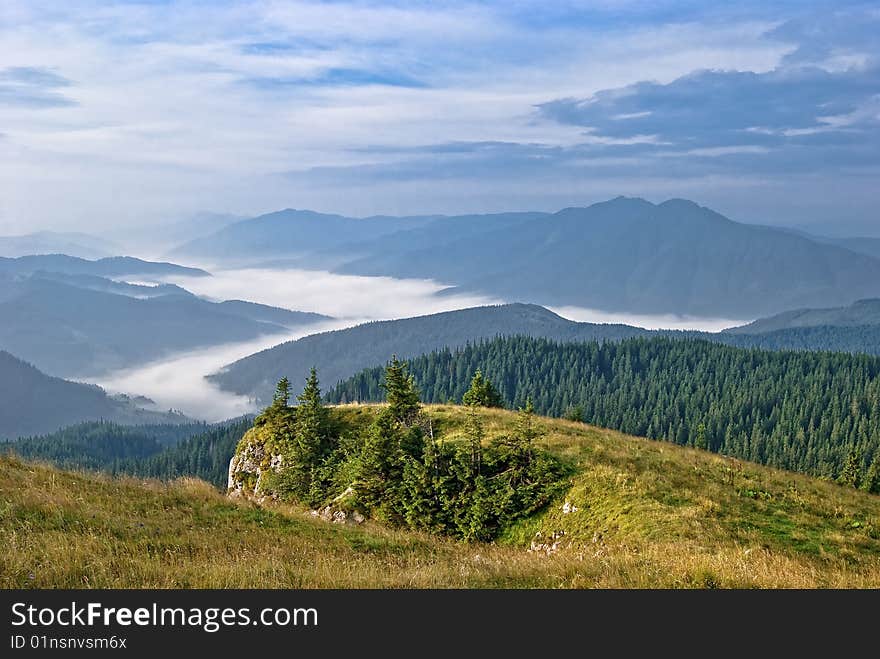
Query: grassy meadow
x=640 y=514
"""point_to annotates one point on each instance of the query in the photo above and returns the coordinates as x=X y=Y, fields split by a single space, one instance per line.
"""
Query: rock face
x=251 y=462
x=339 y=511
x=259 y=454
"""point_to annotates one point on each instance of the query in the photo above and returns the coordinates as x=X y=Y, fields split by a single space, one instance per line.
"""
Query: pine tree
x=701 y=442
x=310 y=440
x=852 y=469
x=871 y=481
x=482 y=392
x=401 y=393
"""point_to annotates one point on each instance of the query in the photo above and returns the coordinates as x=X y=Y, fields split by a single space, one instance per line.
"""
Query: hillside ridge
x=640 y=514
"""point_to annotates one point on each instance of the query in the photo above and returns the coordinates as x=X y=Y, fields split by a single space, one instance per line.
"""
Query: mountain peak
x=679 y=202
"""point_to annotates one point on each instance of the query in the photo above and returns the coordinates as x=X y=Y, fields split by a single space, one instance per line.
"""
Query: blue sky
x=115 y=114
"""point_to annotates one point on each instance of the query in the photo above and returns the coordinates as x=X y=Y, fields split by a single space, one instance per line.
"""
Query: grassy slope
x=649 y=515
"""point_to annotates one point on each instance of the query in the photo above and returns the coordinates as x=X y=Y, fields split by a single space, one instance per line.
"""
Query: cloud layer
x=122 y=113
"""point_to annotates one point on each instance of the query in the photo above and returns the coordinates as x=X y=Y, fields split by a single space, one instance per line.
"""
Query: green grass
x=649 y=514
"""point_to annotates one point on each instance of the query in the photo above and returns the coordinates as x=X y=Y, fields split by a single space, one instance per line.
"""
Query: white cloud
x=166 y=122
x=340 y=296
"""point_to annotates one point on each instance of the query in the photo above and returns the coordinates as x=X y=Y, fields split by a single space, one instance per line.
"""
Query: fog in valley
x=656 y=321
x=178 y=381
x=340 y=296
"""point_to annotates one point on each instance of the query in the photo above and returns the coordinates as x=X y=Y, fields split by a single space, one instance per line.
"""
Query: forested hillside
x=32 y=402
x=864 y=339
x=341 y=353
x=859 y=313
x=204 y=455
x=155 y=451
x=807 y=411
x=101 y=445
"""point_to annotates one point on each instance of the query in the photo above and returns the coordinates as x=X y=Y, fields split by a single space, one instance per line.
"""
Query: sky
x=116 y=115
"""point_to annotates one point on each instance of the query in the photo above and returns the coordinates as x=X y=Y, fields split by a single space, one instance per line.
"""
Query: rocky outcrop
x=259 y=454
x=250 y=464
x=340 y=511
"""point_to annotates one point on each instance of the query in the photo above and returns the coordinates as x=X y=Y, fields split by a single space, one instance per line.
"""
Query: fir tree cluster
x=401 y=472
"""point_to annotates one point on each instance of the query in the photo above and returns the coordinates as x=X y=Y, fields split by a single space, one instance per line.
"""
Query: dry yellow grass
x=648 y=515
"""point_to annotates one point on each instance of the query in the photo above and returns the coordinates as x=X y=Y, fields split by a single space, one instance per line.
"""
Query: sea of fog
x=658 y=321
x=178 y=381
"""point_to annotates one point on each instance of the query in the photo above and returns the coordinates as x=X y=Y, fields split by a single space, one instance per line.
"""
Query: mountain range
x=114 y=266
x=624 y=255
x=32 y=402
x=341 y=353
x=84 y=325
x=289 y=233
x=51 y=242
x=634 y=256
x=859 y=313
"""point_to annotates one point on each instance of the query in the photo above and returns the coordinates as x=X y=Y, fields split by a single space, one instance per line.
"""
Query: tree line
x=813 y=412
x=154 y=451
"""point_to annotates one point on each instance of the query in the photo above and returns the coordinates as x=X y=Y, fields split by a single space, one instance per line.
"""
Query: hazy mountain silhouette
x=860 y=313
x=51 y=242
x=73 y=328
x=32 y=402
x=114 y=266
x=626 y=255
x=631 y=255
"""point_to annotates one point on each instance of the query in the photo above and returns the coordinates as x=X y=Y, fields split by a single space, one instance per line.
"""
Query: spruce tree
x=575 y=413
x=380 y=467
x=310 y=440
x=701 y=442
x=871 y=481
x=852 y=469
x=526 y=431
x=282 y=393
x=401 y=392
x=279 y=410
x=482 y=392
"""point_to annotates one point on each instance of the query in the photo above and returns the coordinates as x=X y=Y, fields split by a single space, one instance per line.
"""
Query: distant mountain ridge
x=113 y=266
x=52 y=242
x=859 y=313
x=631 y=255
x=33 y=403
x=622 y=255
x=341 y=353
x=288 y=232
x=85 y=325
